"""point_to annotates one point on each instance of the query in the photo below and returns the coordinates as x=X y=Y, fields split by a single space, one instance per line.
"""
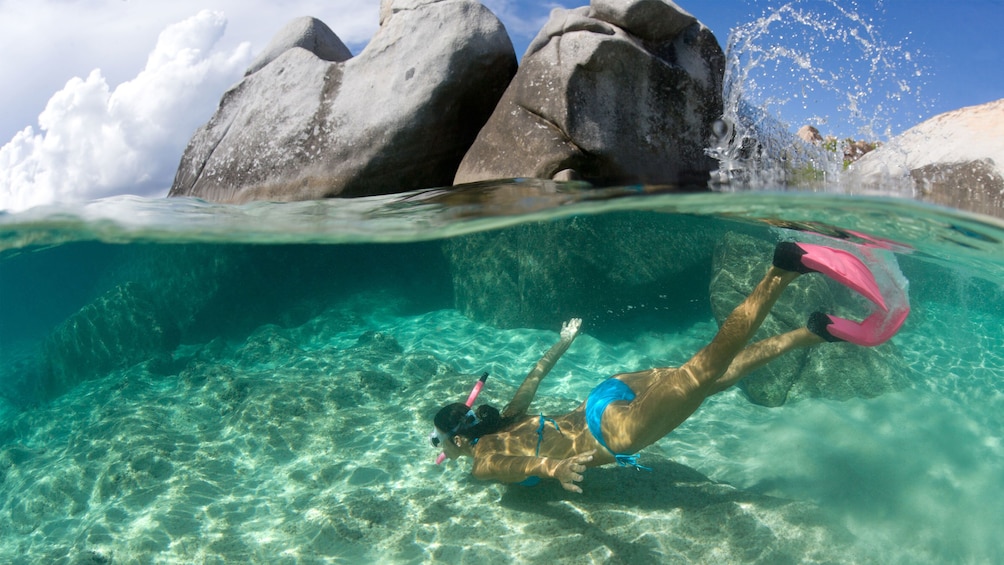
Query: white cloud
x=57 y=39
x=115 y=131
x=94 y=141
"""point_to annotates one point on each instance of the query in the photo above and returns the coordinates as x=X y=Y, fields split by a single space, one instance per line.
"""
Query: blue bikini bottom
x=606 y=392
x=596 y=403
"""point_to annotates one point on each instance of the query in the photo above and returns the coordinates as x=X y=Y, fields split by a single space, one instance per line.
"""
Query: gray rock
x=618 y=92
x=268 y=347
x=122 y=327
x=977 y=185
x=398 y=116
x=307 y=33
x=953 y=159
x=653 y=20
x=838 y=371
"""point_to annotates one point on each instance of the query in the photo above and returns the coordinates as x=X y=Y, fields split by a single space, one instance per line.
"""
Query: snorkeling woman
x=630 y=411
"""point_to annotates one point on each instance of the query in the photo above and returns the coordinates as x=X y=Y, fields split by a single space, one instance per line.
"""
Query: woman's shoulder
x=518 y=426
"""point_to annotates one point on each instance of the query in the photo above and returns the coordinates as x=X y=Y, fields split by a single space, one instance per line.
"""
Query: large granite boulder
x=838 y=371
x=617 y=92
x=954 y=159
x=307 y=33
x=304 y=125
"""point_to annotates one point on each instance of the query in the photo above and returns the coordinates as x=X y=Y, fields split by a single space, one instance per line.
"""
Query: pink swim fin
x=841 y=266
x=874 y=330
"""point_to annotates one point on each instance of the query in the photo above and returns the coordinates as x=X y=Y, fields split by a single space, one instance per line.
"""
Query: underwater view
x=190 y=382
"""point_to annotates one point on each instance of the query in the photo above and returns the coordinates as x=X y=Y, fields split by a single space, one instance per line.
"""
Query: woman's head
x=460 y=420
x=453 y=418
x=451 y=421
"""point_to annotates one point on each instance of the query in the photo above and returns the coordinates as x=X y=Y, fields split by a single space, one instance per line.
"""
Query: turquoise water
x=185 y=382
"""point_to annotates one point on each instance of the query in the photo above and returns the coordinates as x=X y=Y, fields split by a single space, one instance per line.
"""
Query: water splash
x=814 y=63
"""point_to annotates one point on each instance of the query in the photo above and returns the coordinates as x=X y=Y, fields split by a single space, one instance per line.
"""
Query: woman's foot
x=837 y=264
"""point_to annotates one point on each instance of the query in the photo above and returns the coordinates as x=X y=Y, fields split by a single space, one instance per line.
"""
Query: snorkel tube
x=470 y=402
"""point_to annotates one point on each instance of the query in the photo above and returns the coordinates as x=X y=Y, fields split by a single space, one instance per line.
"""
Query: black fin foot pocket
x=788 y=256
x=817 y=324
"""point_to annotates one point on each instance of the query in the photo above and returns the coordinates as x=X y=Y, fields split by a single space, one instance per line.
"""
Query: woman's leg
x=714 y=360
x=762 y=352
x=667 y=397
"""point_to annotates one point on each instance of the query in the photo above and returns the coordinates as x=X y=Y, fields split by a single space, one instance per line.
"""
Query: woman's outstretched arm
x=516 y=468
x=524 y=396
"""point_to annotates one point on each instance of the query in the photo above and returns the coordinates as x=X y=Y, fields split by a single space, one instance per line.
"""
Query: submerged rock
x=379 y=343
x=124 y=326
x=954 y=159
x=157 y=296
x=839 y=371
x=268 y=346
x=303 y=124
x=617 y=92
x=377 y=383
x=599 y=268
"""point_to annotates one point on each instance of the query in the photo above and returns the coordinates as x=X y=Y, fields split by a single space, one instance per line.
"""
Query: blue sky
x=100 y=97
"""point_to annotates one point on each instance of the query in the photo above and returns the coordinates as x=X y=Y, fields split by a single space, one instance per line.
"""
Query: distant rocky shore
x=851 y=149
x=954 y=159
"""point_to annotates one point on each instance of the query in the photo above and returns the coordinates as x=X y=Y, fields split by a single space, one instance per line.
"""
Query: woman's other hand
x=570 y=329
x=569 y=471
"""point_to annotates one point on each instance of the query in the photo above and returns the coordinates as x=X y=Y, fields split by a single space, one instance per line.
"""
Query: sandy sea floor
x=310 y=444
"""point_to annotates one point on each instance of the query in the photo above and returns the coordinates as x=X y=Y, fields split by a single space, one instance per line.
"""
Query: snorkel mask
x=438 y=437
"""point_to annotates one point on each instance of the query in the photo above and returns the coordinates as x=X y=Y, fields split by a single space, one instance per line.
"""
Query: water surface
x=189 y=382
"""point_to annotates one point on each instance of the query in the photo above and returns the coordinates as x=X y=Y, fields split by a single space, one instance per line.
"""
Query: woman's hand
x=569 y=471
x=570 y=329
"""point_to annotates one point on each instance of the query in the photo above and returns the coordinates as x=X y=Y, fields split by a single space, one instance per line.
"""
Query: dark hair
x=455 y=420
